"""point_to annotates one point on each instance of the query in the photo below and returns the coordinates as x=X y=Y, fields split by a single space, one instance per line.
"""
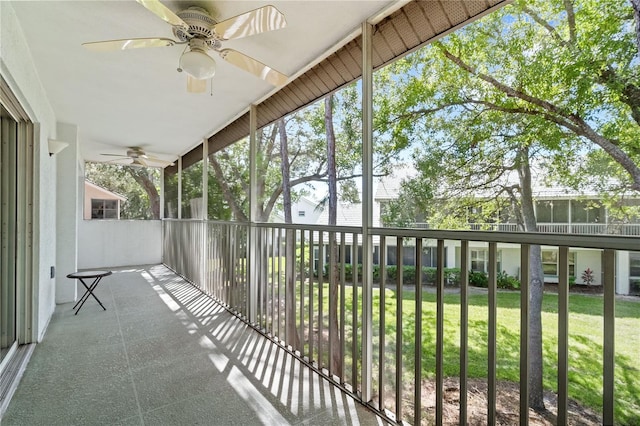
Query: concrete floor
x=165 y=354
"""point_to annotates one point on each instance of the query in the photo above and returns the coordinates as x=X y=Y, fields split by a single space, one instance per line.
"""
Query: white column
x=180 y=187
x=253 y=252
x=204 y=215
x=162 y=207
x=205 y=179
x=367 y=211
x=69 y=197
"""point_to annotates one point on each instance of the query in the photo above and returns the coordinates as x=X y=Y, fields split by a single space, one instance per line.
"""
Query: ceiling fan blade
x=150 y=158
x=133 y=43
x=196 y=86
x=114 y=155
x=256 y=21
x=163 y=12
x=139 y=162
x=254 y=66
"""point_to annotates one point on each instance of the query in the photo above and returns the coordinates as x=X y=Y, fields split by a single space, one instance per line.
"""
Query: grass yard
x=585 y=343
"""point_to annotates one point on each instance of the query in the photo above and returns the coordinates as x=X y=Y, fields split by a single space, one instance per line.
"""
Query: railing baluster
x=301 y=292
x=492 y=307
x=382 y=262
x=227 y=261
x=343 y=303
x=354 y=312
x=563 y=335
x=525 y=277
x=418 y=336
x=279 y=314
x=464 y=328
x=312 y=269
x=263 y=276
x=321 y=300
x=608 y=400
x=333 y=311
x=439 y=333
x=399 y=297
x=274 y=280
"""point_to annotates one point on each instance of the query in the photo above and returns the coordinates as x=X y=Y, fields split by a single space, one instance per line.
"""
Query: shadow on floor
x=165 y=353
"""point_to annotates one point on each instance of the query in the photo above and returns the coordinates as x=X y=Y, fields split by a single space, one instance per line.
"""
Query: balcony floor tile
x=165 y=354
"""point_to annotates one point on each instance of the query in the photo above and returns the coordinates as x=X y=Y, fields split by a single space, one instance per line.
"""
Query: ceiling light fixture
x=196 y=62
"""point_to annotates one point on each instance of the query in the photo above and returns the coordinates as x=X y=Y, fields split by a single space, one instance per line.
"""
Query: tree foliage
x=539 y=90
x=139 y=185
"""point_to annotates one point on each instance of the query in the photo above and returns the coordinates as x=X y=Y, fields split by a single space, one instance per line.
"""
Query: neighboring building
x=558 y=211
x=304 y=211
x=100 y=203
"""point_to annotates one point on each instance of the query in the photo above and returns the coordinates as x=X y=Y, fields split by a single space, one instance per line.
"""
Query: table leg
x=87 y=293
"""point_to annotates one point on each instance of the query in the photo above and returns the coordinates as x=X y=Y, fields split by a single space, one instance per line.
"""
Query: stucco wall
x=16 y=67
x=111 y=243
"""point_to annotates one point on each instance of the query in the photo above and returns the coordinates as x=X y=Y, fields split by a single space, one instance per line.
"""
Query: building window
x=430 y=257
x=587 y=212
x=480 y=260
x=555 y=211
x=104 y=209
x=302 y=213
x=634 y=273
x=550 y=263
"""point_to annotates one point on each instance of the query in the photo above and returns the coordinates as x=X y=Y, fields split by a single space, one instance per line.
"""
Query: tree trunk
x=238 y=214
x=536 y=287
x=291 y=332
x=334 y=335
x=144 y=180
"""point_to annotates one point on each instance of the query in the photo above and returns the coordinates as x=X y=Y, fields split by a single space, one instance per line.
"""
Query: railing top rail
x=316 y=228
x=219 y=222
x=537 y=238
x=614 y=242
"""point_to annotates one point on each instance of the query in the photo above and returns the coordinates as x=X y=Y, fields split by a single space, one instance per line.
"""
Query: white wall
x=622 y=272
x=111 y=243
x=510 y=260
x=591 y=259
x=18 y=70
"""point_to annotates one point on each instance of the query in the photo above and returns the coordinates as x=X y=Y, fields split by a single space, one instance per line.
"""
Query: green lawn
x=585 y=343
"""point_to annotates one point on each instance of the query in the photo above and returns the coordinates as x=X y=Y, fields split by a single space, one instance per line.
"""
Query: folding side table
x=85 y=275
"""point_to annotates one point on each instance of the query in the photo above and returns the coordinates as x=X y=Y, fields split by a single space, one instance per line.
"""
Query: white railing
x=627 y=229
x=309 y=297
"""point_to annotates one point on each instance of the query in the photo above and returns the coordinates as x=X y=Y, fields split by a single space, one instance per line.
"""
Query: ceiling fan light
x=198 y=64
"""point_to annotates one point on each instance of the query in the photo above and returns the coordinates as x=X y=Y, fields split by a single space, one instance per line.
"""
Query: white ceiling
x=136 y=97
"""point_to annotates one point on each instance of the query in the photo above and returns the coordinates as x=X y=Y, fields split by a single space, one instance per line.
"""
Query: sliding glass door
x=8 y=220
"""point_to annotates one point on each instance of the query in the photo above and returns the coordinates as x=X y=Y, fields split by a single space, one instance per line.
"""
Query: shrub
x=452 y=277
x=506 y=281
x=392 y=272
x=429 y=275
x=588 y=277
x=409 y=274
x=478 y=279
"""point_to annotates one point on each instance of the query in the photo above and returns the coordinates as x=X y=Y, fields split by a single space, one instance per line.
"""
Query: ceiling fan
x=140 y=158
x=195 y=28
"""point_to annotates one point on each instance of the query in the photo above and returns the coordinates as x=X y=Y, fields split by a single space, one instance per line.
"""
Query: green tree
x=534 y=86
